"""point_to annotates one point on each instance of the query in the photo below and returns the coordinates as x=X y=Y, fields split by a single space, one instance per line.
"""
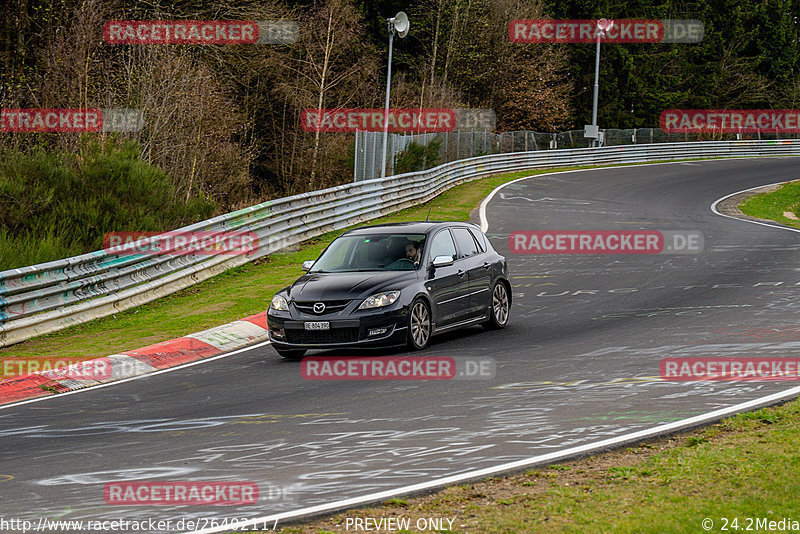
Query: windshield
x=377 y=252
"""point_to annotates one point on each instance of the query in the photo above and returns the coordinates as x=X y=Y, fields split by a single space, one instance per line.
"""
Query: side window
x=466 y=243
x=479 y=238
x=442 y=245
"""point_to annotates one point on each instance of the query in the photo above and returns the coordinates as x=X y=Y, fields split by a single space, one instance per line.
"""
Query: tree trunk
x=436 y=39
x=323 y=77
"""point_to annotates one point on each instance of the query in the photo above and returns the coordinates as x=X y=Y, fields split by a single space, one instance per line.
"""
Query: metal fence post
x=472 y=144
x=374 y=148
x=355 y=159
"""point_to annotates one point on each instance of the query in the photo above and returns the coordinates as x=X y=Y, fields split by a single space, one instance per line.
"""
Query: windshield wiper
x=360 y=270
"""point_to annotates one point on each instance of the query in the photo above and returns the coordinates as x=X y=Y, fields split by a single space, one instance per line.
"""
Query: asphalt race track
x=578 y=363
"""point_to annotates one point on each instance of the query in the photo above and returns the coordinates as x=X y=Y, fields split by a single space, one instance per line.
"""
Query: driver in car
x=412 y=252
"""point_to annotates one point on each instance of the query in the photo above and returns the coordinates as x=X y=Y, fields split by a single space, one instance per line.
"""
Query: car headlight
x=279 y=303
x=380 y=300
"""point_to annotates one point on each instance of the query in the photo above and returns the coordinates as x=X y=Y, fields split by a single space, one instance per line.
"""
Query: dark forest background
x=222 y=121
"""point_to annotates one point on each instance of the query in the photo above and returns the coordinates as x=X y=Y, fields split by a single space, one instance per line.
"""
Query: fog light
x=377 y=331
x=277 y=333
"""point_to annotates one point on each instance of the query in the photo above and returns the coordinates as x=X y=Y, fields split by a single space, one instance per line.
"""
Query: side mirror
x=308 y=264
x=442 y=261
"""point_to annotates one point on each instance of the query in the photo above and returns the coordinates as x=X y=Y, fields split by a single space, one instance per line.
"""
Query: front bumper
x=387 y=328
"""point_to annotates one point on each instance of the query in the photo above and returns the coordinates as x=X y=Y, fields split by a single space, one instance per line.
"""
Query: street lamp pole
x=602 y=26
x=386 y=103
x=596 y=84
x=398 y=23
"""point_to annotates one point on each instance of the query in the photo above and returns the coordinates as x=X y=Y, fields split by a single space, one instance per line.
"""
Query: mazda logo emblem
x=319 y=307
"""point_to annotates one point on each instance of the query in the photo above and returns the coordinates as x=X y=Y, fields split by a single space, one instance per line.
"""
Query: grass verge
x=743 y=467
x=237 y=293
x=775 y=205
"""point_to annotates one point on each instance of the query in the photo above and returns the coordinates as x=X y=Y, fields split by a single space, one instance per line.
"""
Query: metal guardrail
x=473 y=142
x=51 y=296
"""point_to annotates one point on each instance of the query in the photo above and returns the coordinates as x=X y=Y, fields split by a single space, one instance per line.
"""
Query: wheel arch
x=503 y=280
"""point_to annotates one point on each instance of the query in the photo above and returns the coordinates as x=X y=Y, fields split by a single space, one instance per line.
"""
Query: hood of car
x=346 y=286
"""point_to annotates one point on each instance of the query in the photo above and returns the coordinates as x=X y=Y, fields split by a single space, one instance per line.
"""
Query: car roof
x=415 y=227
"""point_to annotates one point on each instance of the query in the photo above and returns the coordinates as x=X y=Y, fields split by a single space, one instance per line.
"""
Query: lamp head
x=400 y=23
x=605 y=24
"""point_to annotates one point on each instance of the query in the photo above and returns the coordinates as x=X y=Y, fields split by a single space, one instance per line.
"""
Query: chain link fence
x=466 y=144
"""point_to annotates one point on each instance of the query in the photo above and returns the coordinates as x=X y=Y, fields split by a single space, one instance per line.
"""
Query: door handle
x=461 y=273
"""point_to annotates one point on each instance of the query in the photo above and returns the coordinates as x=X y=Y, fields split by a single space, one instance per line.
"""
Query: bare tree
x=332 y=66
x=191 y=124
x=191 y=120
x=525 y=84
x=531 y=88
x=737 y=83
x=333 y=54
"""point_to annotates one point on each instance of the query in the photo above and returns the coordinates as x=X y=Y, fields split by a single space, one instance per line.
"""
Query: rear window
x=479 y=237
x=466 y=243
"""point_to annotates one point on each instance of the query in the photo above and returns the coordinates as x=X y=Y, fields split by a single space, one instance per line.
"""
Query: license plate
x=317 y=325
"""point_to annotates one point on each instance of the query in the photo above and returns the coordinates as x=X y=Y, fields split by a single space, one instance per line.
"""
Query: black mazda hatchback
x=394 y=284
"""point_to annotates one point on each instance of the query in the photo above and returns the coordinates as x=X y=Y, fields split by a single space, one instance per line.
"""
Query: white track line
x=114 y=383
x=564 y=454
x=726 y=197
x=484 y=221
x=480 y=473
x=513 y=466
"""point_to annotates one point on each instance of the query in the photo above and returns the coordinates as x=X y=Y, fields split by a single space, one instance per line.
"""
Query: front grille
x=331 y=306
x=321 y=337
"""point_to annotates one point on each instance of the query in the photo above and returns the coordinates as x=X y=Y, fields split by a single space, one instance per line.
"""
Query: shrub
x=58 y=204
x=417 y=157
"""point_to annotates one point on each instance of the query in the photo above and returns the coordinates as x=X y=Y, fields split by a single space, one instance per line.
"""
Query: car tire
x=499 y=307
x=291 y=354
x=420 y=325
